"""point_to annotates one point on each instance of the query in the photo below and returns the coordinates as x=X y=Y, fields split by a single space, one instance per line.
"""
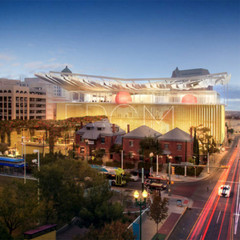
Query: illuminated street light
x=37 y=161
x=141 y=202
x=24 y=157
x=169 y=174
x=151 y=160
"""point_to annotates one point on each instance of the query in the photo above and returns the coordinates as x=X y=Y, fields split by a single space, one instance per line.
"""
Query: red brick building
x=132 y=140
x=98 y=135
x=177 y=146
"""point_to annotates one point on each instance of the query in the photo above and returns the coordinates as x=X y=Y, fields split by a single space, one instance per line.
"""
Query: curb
x=176 y=223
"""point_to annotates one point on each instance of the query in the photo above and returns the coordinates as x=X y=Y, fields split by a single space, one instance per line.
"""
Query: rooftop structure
x=184 y=80
x=98 y=129
x=176 y=135
x=189 y=72
x=142 y=132
x=184 y=100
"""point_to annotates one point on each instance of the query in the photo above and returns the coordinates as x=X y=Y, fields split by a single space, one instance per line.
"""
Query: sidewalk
x=214 y=162
x=175 y=212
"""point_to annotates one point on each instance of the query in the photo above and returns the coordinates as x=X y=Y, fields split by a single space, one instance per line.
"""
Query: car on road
x=134 y=176
x=224 y=191
x=156 y=183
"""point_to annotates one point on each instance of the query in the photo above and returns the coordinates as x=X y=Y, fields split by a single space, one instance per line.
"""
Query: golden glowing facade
x=161 y=117
x=186 y=99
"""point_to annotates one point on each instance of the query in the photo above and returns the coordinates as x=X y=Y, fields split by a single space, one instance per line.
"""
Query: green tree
x=18 y=206
x=149 y=145
x=98 y=209
x=112 y=231
x=196 y=147
x=158 y=209
x=3 y=147
x=206 y=141
x=98 y=154
x=4 y=235
x=61 y=195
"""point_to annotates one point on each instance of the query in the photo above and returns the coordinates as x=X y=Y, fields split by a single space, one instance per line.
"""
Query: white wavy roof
x=93 y=83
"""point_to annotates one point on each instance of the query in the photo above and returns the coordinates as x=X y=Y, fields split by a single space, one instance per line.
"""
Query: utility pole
x=122 y=159
x=169 y=174
x=208 y=163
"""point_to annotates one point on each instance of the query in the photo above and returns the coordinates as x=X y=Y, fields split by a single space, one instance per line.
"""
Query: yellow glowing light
x=136 y=194
x=144 y=194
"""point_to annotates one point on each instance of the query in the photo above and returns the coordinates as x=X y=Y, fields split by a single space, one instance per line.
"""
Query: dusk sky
x=121 y=38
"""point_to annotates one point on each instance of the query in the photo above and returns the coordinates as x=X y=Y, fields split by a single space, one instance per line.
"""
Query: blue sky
x=121 y=38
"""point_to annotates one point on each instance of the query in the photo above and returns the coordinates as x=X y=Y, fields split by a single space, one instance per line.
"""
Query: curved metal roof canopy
x=93 y=83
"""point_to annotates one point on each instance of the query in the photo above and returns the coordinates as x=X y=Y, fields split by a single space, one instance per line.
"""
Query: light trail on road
x=237 y=212
x=201 y=226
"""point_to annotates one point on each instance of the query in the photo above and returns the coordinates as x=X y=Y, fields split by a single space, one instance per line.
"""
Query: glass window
x=131 y=143
x=102 y=140
x=82 y=149
x=179 y=147
x=166 y=146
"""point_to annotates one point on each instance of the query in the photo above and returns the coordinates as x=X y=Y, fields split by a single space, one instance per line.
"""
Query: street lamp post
x=151 y=160
x=122 y=159
x=141 y=202
x=169 y=174
x=208 y=163
x=38 y=159
x=157 y=157
x=38 y=164
x=194 y=157
x=24 y=157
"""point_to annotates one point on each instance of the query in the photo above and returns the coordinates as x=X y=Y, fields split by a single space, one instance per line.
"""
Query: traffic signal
x=173 y=170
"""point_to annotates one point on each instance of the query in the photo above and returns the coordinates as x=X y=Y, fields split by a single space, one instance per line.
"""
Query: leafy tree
x=196 y=147
x=115 y=148
x=3 y=147
x=4 y=235
x=158 y=209
x=18 y=206
x=98 y=154
x=231 y=130
x=98 y=209
x=149 y=145
x=112 y=231
x=206 y=141
x=62 y=185
x=61 y=196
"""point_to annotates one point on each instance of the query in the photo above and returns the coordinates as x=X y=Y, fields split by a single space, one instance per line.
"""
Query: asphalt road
x=212 y=217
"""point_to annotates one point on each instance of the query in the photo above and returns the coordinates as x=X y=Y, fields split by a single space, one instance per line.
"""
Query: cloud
x=234 y=100
x=5 y=57
x=33 y=67
x=15 y=64
x=52 y=59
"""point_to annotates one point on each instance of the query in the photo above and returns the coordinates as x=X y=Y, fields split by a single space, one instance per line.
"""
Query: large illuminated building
x=184 y=100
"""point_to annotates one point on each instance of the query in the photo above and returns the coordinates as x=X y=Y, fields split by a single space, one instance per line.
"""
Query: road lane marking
x=198 y=225
x=218 y=216
x=237 y=212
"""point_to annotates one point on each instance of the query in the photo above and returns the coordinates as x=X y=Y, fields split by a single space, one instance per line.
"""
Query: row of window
x=5 y=105
x=166 y=145
x=5 y=99
x=82 y=150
